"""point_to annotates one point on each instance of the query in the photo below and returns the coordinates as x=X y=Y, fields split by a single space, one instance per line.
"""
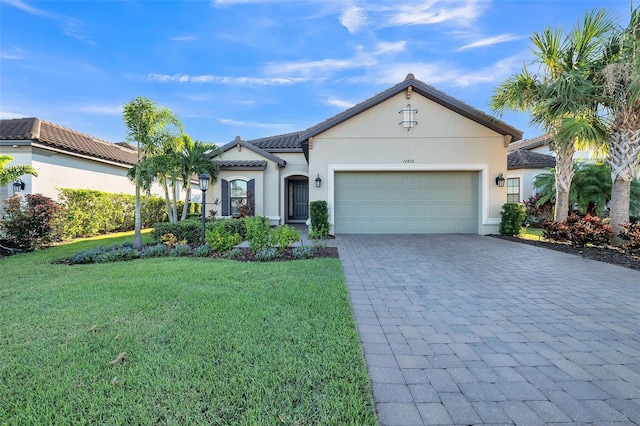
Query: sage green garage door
x=406 y=202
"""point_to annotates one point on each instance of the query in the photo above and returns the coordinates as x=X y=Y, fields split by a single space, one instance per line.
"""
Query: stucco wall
x=442 y=140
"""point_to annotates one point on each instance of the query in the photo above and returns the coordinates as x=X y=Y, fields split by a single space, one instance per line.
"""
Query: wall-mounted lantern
x=318 y=181
x=500 y=180
x=18 y=185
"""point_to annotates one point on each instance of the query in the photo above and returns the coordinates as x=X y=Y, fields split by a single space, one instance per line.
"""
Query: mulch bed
x=606 y=254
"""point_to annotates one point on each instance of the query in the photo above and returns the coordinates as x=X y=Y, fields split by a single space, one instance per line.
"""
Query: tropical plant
x=560 y=97
x=621 y=98
x=193 y=159
x=149 y=126
x=32 y=222
x=11 y=173
x=590 y=190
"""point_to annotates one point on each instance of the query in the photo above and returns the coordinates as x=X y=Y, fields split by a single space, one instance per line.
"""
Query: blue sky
x=257 y=68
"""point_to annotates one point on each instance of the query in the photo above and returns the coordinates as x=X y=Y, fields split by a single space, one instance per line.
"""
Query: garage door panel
x=406 y=202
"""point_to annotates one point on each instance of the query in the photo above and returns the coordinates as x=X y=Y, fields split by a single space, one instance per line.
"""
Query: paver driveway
x=476 y=330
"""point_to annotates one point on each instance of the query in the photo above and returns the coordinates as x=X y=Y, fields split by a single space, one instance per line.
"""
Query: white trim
x=483 y=185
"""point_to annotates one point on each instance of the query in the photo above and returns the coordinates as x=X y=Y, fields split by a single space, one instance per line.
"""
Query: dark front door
x=298 y=200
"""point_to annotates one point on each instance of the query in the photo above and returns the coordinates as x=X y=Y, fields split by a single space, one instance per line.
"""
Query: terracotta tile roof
x=241 y=164
x=55 y=136
x=529 y=144
x=238 y=141
x=523 y=159
x=280 y=143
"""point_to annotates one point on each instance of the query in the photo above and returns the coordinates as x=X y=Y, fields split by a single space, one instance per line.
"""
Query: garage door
x=406 y=202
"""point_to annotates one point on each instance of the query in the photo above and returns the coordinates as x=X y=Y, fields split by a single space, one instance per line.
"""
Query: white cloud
x=184 y=38
x=209 y=78
x=435 y=12
x=489 y=41
x=273 y=126
x=353 y=18
x=340 y=103
x=9 y=115
x=13 y=54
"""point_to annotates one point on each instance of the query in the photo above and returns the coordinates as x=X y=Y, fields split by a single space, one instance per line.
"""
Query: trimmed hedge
x=319 y=213
x=190 y=230
x=89 y=212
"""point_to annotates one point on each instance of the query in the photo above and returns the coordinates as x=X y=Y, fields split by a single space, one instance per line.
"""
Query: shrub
x=233 y=254
x=302 y=252
x=202 y=251
x=88 y=256
x=267 y=254
x=189 y=231
x=233 y=226
x=181 y=250
x=258 y=233
x=31 y=223
x=578 y=231
x=512 y=219
x=221 y=240
x=117 y=254
x=319 y=213
x=537 y=211
x=284 y=236
x=157 y=250
x=631 y=237
x=89 y=212
x=171 y=240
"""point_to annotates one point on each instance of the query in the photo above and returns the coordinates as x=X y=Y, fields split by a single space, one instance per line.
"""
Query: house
x=65 y=158
x=523 y=166
x=410 y=159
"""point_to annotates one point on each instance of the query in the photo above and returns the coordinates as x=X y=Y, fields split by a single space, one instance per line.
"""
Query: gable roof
x=523 y=159
x=49 y=135
x=529 y=144
x=242 y=164
x=246 y=144
x=428 y=92
x=287 y=142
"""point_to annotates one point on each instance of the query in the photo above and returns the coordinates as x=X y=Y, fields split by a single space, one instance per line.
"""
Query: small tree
x=513 y=215
x=31 y=223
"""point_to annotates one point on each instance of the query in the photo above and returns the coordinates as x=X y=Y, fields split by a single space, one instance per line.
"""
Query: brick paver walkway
x=476 y=330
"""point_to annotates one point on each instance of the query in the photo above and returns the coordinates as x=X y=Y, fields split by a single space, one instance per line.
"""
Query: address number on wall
x=410 y=160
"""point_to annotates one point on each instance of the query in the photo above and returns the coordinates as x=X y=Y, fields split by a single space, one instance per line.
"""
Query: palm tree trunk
x=624 y=148
x=564 y=175
x=167 y=201
x=187 y=197
x=174 y=203
x=137 y=238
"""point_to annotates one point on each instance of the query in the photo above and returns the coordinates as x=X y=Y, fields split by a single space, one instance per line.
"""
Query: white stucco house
x=65 y=158
x=410 y=159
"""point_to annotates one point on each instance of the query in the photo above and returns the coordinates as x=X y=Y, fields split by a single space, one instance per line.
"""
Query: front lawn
x=178 y=341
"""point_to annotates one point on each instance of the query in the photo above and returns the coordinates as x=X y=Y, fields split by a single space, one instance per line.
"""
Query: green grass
x=207 y=342
x=530 y=233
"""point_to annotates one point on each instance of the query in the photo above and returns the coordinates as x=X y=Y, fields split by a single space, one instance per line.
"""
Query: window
x=237 y=195
x=513 y=190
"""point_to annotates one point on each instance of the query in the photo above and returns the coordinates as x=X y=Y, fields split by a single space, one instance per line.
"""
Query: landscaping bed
x=606 y=254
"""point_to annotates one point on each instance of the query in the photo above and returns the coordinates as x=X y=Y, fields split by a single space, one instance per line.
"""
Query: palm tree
x=147 y=125
x=11 y=173
x=621 y=91
x=558 y=97
x=195 y=158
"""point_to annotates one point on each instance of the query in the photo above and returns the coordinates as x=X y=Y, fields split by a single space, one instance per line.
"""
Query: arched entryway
x=297 y=199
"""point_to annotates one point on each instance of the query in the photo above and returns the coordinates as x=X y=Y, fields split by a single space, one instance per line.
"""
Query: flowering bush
x=631 y=237
x=32 y=222
x=579 y=231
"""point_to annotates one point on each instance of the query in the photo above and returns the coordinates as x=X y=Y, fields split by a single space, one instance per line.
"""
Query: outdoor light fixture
x=500 y=180
x=18 y=185
x=318 y=181
x=204 y=185
x=408 y=117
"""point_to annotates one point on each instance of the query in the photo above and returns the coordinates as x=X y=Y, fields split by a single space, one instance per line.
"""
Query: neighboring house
x=523 y=166
x=410 y=159
x=65 y=158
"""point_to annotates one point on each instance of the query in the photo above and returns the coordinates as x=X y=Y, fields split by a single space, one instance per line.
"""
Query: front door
x=298 y=200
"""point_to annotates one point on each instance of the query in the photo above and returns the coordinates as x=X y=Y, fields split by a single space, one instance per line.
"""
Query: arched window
x=237 y=195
